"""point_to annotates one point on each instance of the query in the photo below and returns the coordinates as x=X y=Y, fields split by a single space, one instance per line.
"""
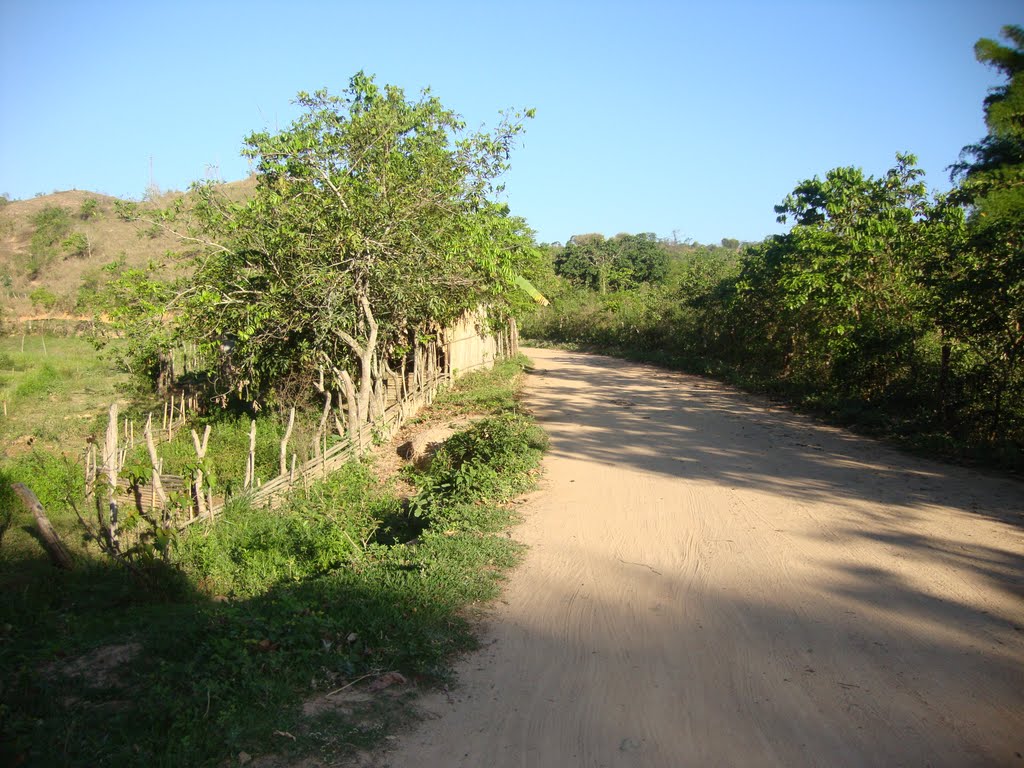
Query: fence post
x=154 y=460
x=200 y=454
x=284 y=442
x=250 y=467
x=110 y=462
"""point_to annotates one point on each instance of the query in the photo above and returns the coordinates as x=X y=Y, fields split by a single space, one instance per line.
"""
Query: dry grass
x=109 y=238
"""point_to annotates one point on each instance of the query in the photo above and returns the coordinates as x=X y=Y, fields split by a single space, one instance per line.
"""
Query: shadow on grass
x=343 y=584
x=198 y=679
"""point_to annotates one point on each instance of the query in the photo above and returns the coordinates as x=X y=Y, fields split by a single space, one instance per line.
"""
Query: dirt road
x=715 y=582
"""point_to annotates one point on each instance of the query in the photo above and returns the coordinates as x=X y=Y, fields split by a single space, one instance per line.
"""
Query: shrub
x=43 y=297
x=53 y=225
x=491 y=461
x=76 y=244
x=90 y=207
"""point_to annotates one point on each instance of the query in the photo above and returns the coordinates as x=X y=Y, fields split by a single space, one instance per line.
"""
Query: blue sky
x=684 y=119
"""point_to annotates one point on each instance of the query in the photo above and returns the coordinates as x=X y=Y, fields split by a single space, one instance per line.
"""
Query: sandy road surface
x=714 y=582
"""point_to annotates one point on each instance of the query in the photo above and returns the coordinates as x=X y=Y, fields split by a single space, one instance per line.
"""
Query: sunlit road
x=712 y=581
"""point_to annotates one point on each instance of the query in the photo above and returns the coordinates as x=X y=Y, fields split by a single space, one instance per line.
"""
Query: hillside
x=53 y=250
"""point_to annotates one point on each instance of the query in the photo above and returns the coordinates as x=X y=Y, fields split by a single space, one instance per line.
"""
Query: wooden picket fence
x=175 y=502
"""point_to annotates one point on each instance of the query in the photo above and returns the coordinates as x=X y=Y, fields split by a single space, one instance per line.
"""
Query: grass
x=55 y=388
x=58 y=389
x=265 y=611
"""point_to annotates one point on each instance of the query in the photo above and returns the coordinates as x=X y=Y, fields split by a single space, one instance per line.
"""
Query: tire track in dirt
x=716 y=581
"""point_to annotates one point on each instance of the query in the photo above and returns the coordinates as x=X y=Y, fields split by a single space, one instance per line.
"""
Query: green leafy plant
x=43 y=298
x=89 y=208
x=491 y=461
x=76 y=244
x=52 y=225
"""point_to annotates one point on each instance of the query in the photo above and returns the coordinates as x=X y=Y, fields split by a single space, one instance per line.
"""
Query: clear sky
x=681 y=118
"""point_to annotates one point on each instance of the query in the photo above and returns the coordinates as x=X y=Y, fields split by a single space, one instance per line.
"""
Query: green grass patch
x=488 y=391
x=56 y=390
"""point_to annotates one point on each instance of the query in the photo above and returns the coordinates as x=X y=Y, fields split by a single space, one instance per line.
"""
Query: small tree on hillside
x=52 y=225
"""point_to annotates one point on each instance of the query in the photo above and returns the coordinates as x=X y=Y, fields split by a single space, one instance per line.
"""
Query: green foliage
x=54 y=479
x=89 y=208
x=89 y=291
x=43 y=297
x=492 y=461
x=981 y=284
x=76 y=244
x=319 y=530
x=616 y=264
x=881 y=307
x=224 y=465
x=847 y=275
x=374 y=218
x=138 y=301
x=52 y=225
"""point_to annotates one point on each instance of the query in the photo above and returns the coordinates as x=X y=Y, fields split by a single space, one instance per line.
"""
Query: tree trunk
x=944 y=384
x=164 y=374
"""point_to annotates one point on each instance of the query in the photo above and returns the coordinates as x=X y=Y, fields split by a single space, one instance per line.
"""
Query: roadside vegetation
x=255 y=619
x=883 y=308
x=371 y=225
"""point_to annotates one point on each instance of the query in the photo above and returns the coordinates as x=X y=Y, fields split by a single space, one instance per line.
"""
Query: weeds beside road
x=265 y=612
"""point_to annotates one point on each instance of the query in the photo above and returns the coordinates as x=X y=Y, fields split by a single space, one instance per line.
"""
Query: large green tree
x=618 y=263
x=847 y=273
x=374 y=219
x=982 y=284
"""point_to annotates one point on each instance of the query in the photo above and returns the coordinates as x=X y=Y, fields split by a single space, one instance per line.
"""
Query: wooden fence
x=467 y=346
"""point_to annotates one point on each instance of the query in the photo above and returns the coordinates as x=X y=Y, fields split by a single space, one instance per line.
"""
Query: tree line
x=883 y=305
